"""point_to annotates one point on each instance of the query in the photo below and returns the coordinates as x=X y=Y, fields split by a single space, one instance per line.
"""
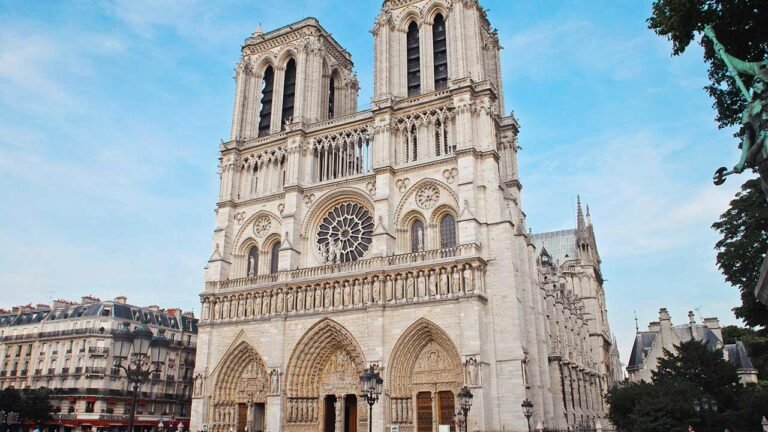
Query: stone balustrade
x=434 y=275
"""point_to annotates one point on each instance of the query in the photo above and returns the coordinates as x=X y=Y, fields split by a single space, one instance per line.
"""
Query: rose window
x=345 y=233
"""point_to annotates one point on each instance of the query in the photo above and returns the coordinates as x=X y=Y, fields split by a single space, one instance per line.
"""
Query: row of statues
x=409 y=286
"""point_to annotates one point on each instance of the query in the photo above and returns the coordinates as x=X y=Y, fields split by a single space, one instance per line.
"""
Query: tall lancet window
x=253 y=261
x=414 y=61
x=274 y=258
x=289 y=91
x=440 y=52
x=265 y=115
x=331 y=96
x=417 y=236
x=447 y=232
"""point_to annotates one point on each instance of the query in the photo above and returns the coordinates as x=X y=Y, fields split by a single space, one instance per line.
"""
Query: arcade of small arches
x=319 y=390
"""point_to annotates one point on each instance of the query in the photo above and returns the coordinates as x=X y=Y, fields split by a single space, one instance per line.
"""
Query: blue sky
x=111 y=113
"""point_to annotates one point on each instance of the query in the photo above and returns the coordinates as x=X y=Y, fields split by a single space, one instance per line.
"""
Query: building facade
x=67 y=348
x=649 y=346
x=391 y=237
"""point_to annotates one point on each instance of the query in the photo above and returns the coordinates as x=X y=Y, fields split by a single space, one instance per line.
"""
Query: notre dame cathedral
x=392 y=237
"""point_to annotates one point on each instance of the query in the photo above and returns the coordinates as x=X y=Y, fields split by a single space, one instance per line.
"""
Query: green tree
x=32 y=405
x=740 y=251
x=740 y=27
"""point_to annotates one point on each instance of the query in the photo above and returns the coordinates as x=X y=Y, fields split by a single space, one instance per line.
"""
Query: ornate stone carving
x=309 y=199
x=402 y=184
x=274 y=382
x=371 y=187
x=427 y=197
x=240 y=217
x=450 y=175
x=280 y=208
x=261 y=226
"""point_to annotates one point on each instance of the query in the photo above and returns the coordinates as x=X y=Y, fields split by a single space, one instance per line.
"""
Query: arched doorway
x=424 y=377
x=323 y=379
x=240 y=392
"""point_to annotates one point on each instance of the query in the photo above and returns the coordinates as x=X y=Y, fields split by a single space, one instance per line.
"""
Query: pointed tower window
x=447 y=232
x=274 y=257
x=253 y=261
x=440 y=52
x=331 y=96
x=414 y=61
x=265 y=116
x=289 y=92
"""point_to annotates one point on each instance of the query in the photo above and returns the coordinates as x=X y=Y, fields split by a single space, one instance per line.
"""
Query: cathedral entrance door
x=258 y=417
x=424 y=412
x=446 y=408
x=350 y=413
x=242 y=417
x=329 y=414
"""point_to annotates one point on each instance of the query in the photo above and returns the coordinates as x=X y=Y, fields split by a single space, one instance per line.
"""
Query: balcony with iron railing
x=95 y=371
x=98 y=351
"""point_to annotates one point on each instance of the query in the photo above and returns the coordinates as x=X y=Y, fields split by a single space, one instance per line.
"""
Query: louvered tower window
x=331 y=96
x=265 y=116
x=440 y=52
x=414 y=65
x=289 y=92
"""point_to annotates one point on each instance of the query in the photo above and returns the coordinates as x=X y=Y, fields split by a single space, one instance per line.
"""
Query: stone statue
x=421 y=286
x=251 y=266
x=443 y=282
x=432 y=283
x=754 y=119
x=274 y=381
x=468 y=285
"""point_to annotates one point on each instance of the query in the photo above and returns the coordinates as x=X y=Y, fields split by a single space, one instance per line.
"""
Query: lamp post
x=139 y=354
x=465 y=403
x=704 y=406
x=371 y=385
x=527 y=406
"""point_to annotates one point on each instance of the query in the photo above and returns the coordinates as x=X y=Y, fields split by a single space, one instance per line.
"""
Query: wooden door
x=350 y=413
x=424 y=412
x=329 y=414
x=242 y=417
x=447 y=408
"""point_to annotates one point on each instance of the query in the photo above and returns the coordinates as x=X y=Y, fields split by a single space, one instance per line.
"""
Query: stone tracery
x=242 y=379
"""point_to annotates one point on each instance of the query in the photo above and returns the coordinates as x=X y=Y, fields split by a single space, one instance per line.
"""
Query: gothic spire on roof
x=580 y=225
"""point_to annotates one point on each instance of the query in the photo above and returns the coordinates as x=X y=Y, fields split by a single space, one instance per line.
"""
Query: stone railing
x=366 y=265
x=384 y=281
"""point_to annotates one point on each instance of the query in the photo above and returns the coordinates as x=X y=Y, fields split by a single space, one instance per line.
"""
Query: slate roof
x=560 y=245
x=738 y=356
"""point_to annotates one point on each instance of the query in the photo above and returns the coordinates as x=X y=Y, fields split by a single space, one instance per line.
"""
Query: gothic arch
x=412 y=14
x=285 y=55
x=431 y=10
x=313 y=354
x=406 y=204
x=262 y=65
x=412 y=358
x=242 y=234
x=240 y=377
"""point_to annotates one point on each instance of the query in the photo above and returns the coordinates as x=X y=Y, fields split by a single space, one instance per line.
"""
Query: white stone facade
x=391 y=237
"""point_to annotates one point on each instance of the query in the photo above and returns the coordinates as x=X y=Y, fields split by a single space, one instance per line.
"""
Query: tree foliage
x=740 y=27
x=740 y=251
x=692 y=372
x=32 y=405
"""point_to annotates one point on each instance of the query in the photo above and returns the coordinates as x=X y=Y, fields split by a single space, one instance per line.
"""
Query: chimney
x=667 y=337
x=42 y=307
x=154 y=308
x=692 y=324
x=654 y=326
x=714 y=325
x=121 y=299
x=89 y=299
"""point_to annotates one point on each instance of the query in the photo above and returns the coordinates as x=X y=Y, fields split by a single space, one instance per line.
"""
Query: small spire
x=589 y=217
x=580 y=225
x=637 y=327
x=259 y=31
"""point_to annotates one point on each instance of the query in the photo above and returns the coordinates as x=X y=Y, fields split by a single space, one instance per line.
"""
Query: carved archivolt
x=424 y=354
x=242 y=376
x=326 y=356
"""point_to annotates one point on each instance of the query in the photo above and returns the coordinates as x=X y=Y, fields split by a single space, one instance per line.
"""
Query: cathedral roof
x=561 y=245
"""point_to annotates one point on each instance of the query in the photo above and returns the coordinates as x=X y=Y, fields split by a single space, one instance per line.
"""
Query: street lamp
x=143 y=355
x=527 y=406
x=465 y=403
x=371 y=386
